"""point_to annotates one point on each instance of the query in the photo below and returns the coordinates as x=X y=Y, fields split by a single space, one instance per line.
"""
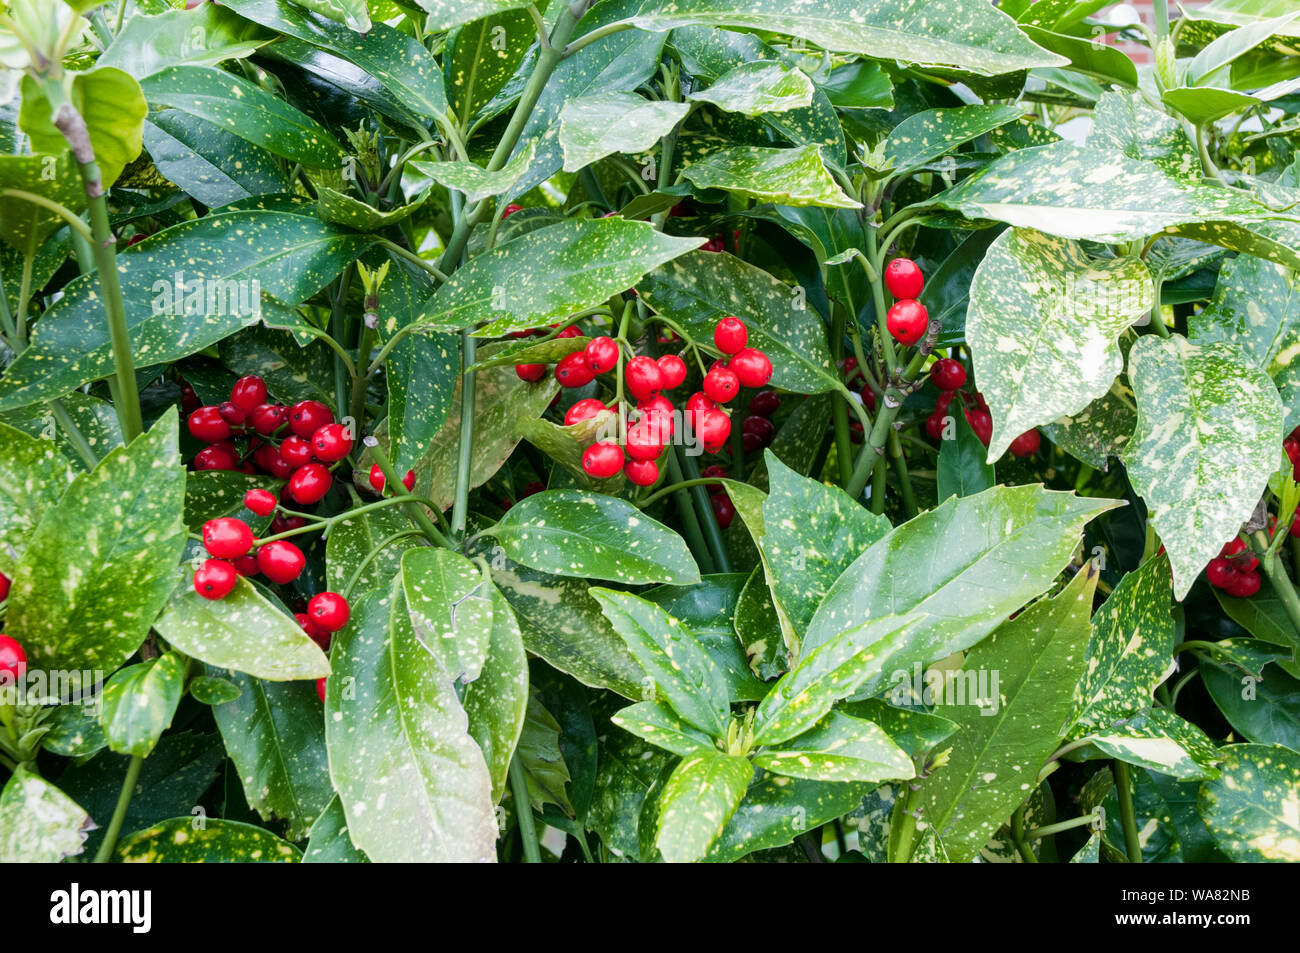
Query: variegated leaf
x=662 y=727
x=39 y=824
x=1099 y=431
x=839 y=748
x=33 y=475
x=604 y=124
x=450 y=602
x=796 y=177
x=1159 y=740
x=701 y=796
x=1128 y=124
x=926 y=136
x=753 y=88
x=1253 y=808
x=497 y=700
x=472 y=181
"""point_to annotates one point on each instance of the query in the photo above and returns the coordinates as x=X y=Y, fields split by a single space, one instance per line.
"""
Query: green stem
x=109 y=843
x=891 y=403
x=1277 y=575
x=840 y=418
x=690 y=522
x=1127 y=817
x=338 y=317
x=524 y=812
x=904 y=478
x=370 y=557
x=1161 y=10
x=1018 y=835
x=394 y=483
x=465 y=449
x=1047 y=830
x=664 y=491
x=60 y=210
x=708 y=521
x=73 y=433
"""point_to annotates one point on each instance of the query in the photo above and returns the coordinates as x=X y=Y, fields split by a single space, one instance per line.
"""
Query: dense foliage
x=472 y=430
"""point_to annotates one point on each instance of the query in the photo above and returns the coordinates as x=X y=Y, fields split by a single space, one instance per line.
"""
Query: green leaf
x=839 y=748
x=660 y=726
x=795 y=177
x=754 y=88
x=1256 y=307
x=1159 y=740
x=566 y=445
x=963 y=469
x=698 y=289
x=1262 y=615
x=413 y=783
x=242 y=632
x=286 y=255
x=1253 y=809
x=179 y=841
x=758 y=627
x=39 y=824
x=112 y=541
x=586 y=261
x=139 y=703
x=1075 y=307
x=1107 y=64
x=1265 y=710
x=74 y=730
x=1203 y=105
x=33 y=475
x=445 y=14
x=604 y=124
x=473 y=182
x=627 y=769
x=539 y=751
x=1209 y=425
x=212 y=165
x=1099 y=431
x=1002 y=741
x=480 y=57
x=970 y=35
x=387 y=533
x=1227 y=48
x=966 y=565
x=925 y=136
x=859 y=85
x=109 y=101
x=211 y=691
x=205 y=36
x=450 y=601
x=777 y=809
x=353 y=13
x=1127 y=123
x=572 y=533
x=274 y=734
x=339 y=208
x=497 y=701
x=329 y=842
x=54 y=177
x=702 y=794
x=292 y=371
x=675 y=662
x=210 y=494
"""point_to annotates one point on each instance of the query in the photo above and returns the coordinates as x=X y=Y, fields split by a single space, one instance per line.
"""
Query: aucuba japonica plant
x=646 y=431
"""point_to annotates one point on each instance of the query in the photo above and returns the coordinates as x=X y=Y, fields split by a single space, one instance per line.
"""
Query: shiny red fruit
x=760 y=427
x=13 y=660
x=295 y=451
x=713 y=471
x=752 y=367
x=268 y=418
x=261 y=502
x=868 y=397
x=1243 y=585
x=1292 y=448
x=721 y=384
x=511 y=209
x=907 y=322
x=696 y=404
x=642 y=472
x=232 y=413
x=309 y=484
x=320 y=689
x=308 y=416
x=672 y=371
x=643 y=378
x=246 y=565
x=660 y=410
x=314 y=632
x=584 y=409
x=572 y=331
x=730 y=335
x=643 y=441
x=1026 y=445
x=948 y=374
x=1219 y=571
x=572 y=371
x=378 y=481
x=208 y=425
x=5 y=583
x=530 y=372
x=714 y=427
x=331 y=442
x=249 y=392
x=215 y=579
x=765 y=403
x=982 y=424
x=227 y=537
x=219 y=456
x=724 y=511
x=280 y=561
x=329 y=610
x=934 y=424
x=904 y=279
x=601 y=354
x=602 y=460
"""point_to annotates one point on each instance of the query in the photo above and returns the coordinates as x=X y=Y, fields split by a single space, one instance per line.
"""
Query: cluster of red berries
x=949 y=376
x=1235 y=570
x=907 y=320
x=13 y=660
x=302 y=455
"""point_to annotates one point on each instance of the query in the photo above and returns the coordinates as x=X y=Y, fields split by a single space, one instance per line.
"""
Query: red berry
x=208 y=425
x=752 y=442
x=1295 y=530
x=572 y=331
x=278 y=466
x=189 y=400
x=378 y=481
x=943 y=401
x=511 y=209
x=642 y=472
x=868 y=397
x=760 y=427
x=248 y=393
x=261 y=502
x=408 y=481
x=765 y=403
x=536 y=486
x=660 y=410
x=13 y=660
x=907 y=322
x=849 y=366
x=643 y=378
x=602 y=354
x=730 y=335
x=572 y=371
x=295 y=451
x=1246 y=562
x=282 y=524
x=1243 y=585
x=643 y=441
x=721 y=384
x=602 y=460
x=711 y=471
x=268 y=418
x=5 y=583
x=227 y=537
x=696 y=404
x=530 y=372
x=982 y=424
x=752 y=367
x=1026 y=445
x=232 y=413
x=934 y=424
x=1233 y=547
x=309 y=484
x=1219 y=571
x=903 y=278
x=948 y=374
x=714 y=427
x=219 y=456
x=723 y=509
x=329 y=610
x=318 y=635
x=320 y=689
x=246 y=565
x=331 y=442
x=280 y=561
x=672 y=371
x=1292 y=447
x=215 y=578
x=584 y=409
x=308 y=416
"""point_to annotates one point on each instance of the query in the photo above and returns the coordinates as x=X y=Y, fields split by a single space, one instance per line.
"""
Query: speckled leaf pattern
x=93 y=417
x=414 y=785
x=605 y=124
x=213 y=493
x=590 y=535
x=586 y=261
x=248 y=111
x=660 y=726
x=1127 y=123
x=699 y=289
x=963 y=469
x=777 y=809
x=672 y=658
x=39 y=824
x=1256 y=307
x=1101 y=430
x=1253 y=809
x=565 y=446
x=926 y=136
x=112 y=542
x=1262 y=615
x=212 y=165
x=207 y=690
x=242 y=632
x=545 y=772
x=354 y=538
x=146 y=44
x=24 y=222
x=274 y=732
x=1159 y=740
x=626 y=770
x=472 y=181
x=445 y=14
x=292 y=372
x=450 y=600
x=339 y=208
x=812 y=533
x=480 y=58
x=111 y=104
x=33 y=475
x=1263 y=707
x=765 y=86
x=839 y=748
x=73 y=731
x=796 y=177
x=139 y=702
x=700 y=797
x=1131 y=650
x=758 y=627
x=562 y=623
x=967 y=565
x=1001 y=743
x=329 y=842
x=353 y=13
x=1077 y=192
x=1209 y=425
x=1043 y=325
x=968 y=34
x=1170 y=829
x=497 y=701
x=291 y=257
x=180 y=841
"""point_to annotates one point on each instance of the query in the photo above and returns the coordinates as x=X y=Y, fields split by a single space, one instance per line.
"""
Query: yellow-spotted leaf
x=794 y=177
x=1253 y=808
x=593 y=127
x=701 y=796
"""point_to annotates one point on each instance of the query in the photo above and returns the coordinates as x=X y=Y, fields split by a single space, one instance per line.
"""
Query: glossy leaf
x=1101 y=430
x=450 y=602
x=33 y=475
x=1263 y=708
x=1159 y=740
x=963 y=469
x=1253 y=809
x=39 y=824
x=146 y=44
x=473 y=182
x=777 y=809
x=839 y=748
x=386 y=533
x=179 y=841
x=758 y=87
x=445 y=14
x=604 y=124
x=794 y=177
x=329 y=842
x=497 y=701
x=139 y=702
x=699 y=799
x=109 y=101
x=926 y=136
x=659 y=725
x=1127 y=123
